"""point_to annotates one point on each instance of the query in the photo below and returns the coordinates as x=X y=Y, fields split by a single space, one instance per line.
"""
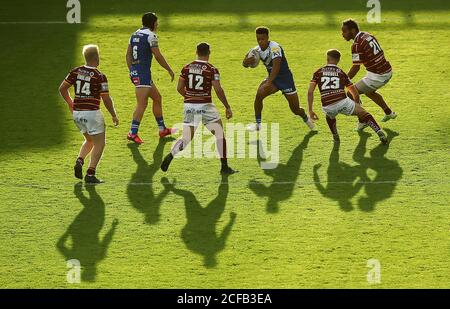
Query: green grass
x=284 y=228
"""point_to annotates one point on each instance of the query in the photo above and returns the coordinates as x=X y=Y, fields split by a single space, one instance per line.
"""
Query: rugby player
x=332 y=82
x=280 y=78
x=366 y=50
x=143 y=46
x=195 y=83
x=90 y=85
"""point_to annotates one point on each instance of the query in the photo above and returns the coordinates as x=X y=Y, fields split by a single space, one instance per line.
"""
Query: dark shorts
x=141 y=78
x=285 y=83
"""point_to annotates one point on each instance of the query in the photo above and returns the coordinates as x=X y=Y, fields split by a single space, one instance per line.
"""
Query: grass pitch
x=314 y=221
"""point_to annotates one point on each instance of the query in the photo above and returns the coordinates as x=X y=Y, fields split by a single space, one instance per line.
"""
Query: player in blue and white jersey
x=143 y=46
x=280 y=77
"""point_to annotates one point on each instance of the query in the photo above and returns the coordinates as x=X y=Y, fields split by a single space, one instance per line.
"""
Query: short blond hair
x=90 y=52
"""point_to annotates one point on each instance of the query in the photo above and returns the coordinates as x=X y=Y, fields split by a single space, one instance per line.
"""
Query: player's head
x=91 y=55
x=333 y=56
x=349 y=29
x=203 y=50
x=262 y=37
x=150 y=20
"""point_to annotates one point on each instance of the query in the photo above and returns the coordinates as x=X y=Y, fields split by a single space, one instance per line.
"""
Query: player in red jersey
x=90 y=86
x=195 y=83
x=332 y=82
x=367 y=51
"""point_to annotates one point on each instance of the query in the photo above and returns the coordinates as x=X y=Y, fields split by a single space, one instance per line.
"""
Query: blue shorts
x=285 y=83
x=141 y=78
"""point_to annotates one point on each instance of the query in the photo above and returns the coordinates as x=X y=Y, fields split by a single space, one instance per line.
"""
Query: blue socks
x=134 y=127
x=258 y=119
x=160 y=122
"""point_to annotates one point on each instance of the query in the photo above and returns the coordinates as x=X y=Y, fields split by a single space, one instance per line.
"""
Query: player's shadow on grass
x=388 y=172
x=140 y=189
x=85 y=244
x=343 y=183
x=284 y=176
x=199 y=234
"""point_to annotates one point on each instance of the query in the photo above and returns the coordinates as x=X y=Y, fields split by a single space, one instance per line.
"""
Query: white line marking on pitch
x=37 y=186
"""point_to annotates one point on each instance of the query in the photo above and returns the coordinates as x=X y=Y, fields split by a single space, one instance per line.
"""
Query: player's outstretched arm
x=64 y=91
x=312 y=114
x=162 y=61
x=181 y=87
x=222 y=97
x=109 y=104
x=353 y=71
x=129 y=57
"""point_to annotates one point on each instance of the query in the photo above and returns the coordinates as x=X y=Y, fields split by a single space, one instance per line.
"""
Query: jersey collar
x=86 y=66
x=203 y=61
x=357 y=35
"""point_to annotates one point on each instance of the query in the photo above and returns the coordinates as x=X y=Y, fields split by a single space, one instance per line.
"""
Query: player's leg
x=294 y=105
x=158 y=112
x=216 y=128
x=379 y=100
x=331 y=121
x=98 y=141
x=188 y=135
x=142 y=95
x=261 y=94
x=369 y=87
x=85 y=149
x=368 y=119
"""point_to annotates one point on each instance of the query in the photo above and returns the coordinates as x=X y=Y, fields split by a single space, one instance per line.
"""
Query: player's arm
x=276 y=65
x=247 y=61
x=181 y=87
x=354 y=70
x=222 y=97
x=162 y=61
x=354 y=92
x=64 y=91
x=109 y=104
x=129 y=56
x=312 y=114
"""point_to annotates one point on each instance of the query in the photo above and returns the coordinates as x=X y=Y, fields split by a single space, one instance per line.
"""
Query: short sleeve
x=104 y=88
x=153 y=40
x=357 y=54
x=71 y=77
x=315 y=77
x=275 y=50
x=346 y=80
x=216 y=74
x=184 y=73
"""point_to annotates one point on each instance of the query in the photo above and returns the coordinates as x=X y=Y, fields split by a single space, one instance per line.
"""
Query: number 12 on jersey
x=198 y=81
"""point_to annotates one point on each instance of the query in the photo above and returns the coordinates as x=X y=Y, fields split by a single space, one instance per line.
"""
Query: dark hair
x=149 y=19
x=334 y=53
x=262 y=30
x=203 y=49
x=351 y=24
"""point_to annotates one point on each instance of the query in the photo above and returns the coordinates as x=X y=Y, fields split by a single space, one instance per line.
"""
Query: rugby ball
x=255 y=54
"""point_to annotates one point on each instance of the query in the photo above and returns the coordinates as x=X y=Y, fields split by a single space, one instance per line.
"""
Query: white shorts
x=90 y=122
x=345 y=106
x=372 y=82
x=204 y=112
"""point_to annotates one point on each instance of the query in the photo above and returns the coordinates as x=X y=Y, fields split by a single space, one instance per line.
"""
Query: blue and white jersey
x=274 y=50
x=141 y=43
